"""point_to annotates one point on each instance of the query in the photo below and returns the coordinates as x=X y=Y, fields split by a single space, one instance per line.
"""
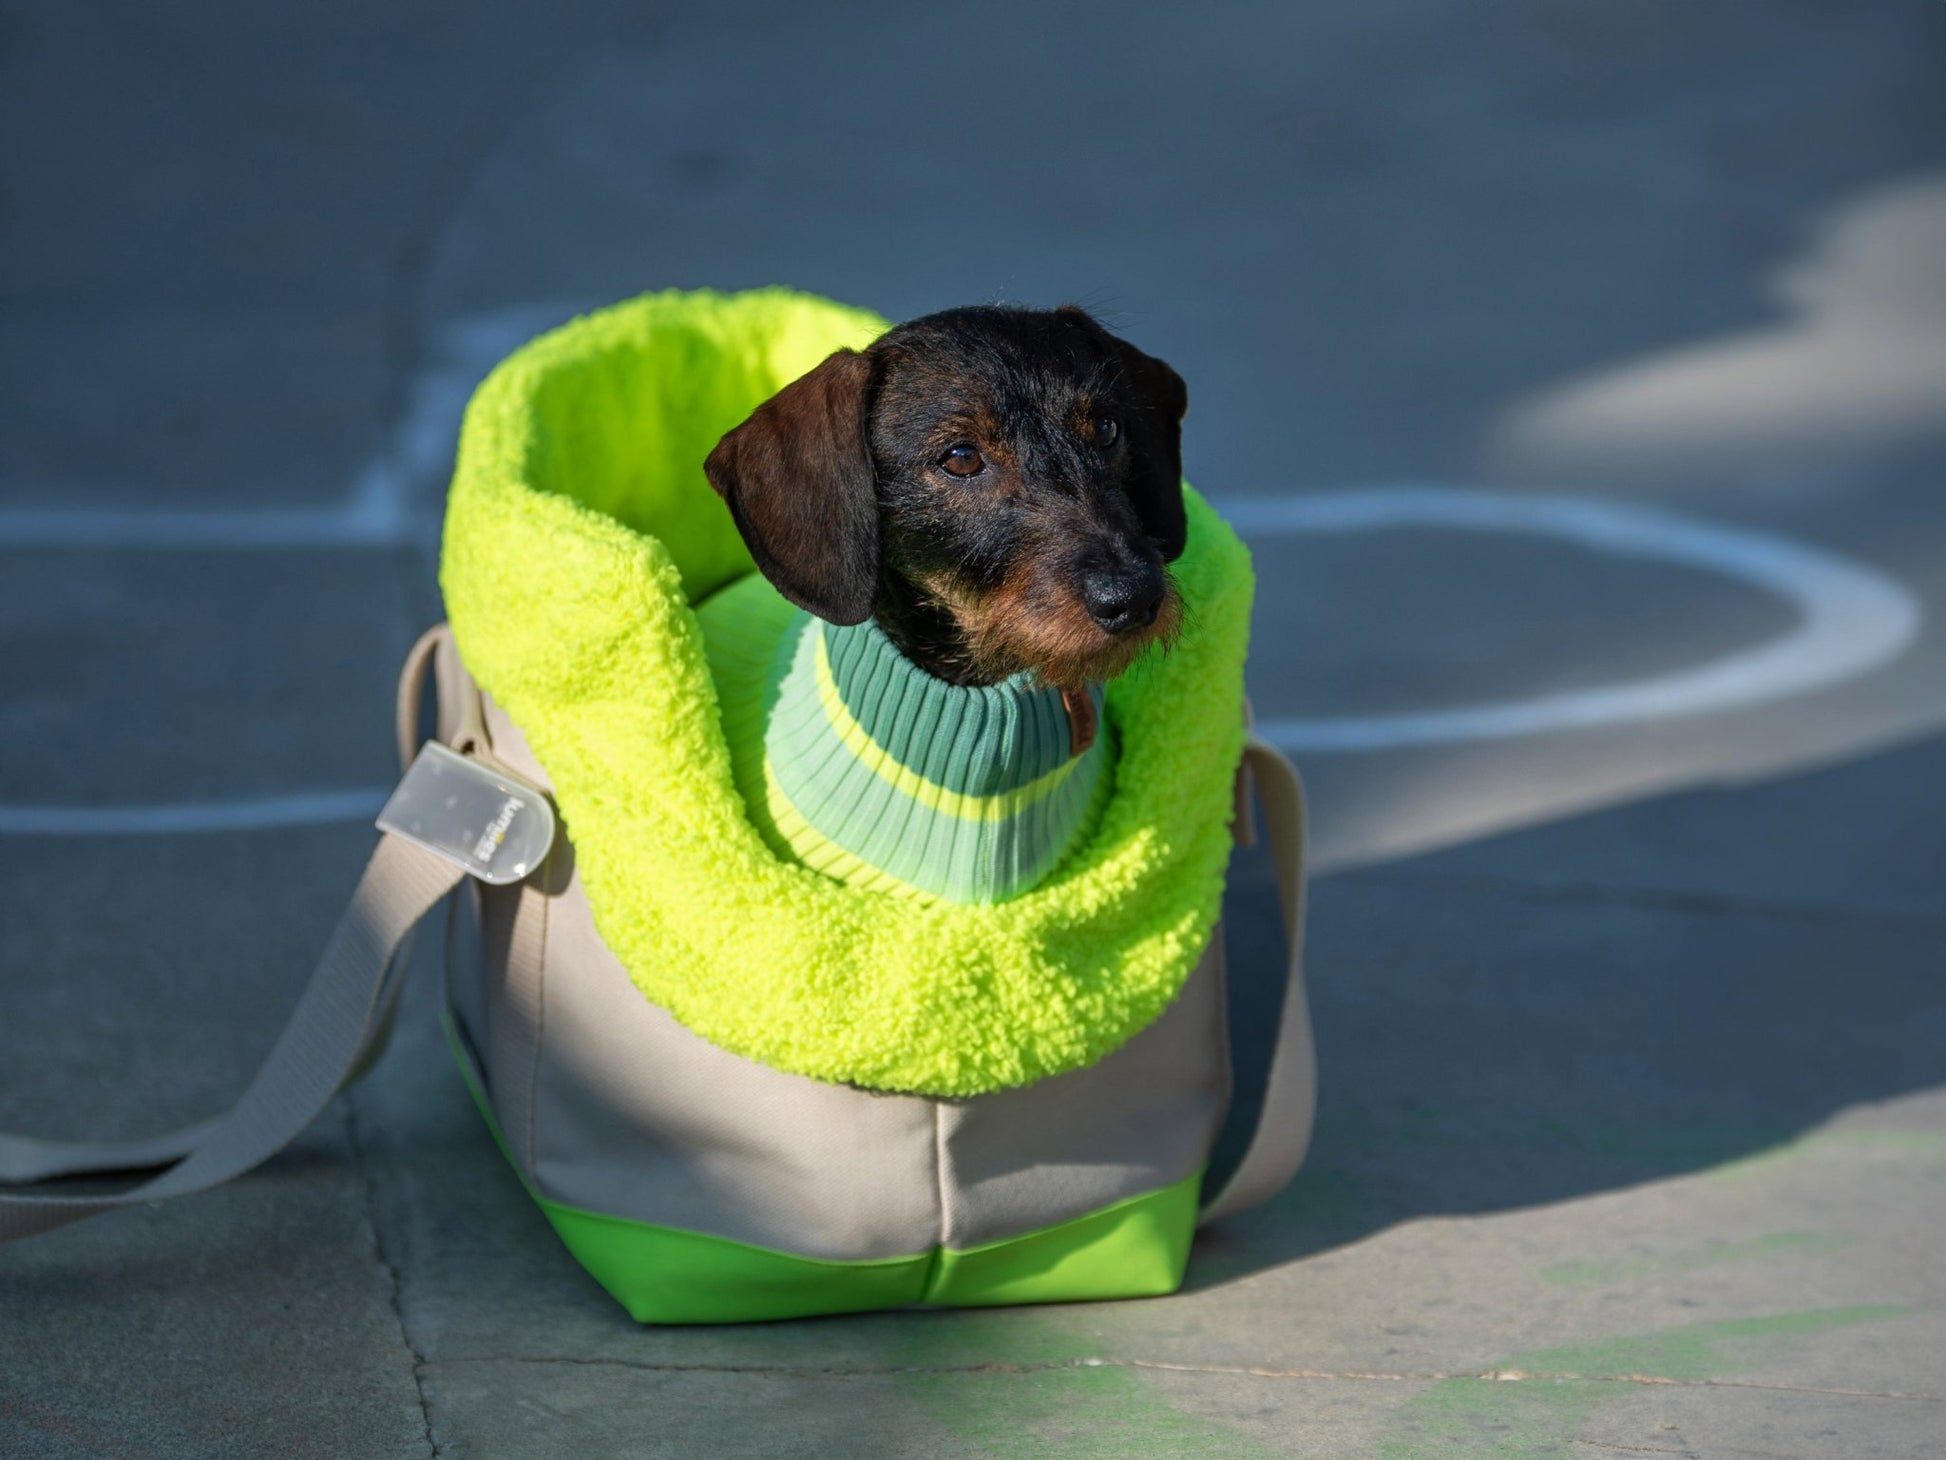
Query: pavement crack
x=394 y=1275
x=1505 y=1376
x=1401 y=1376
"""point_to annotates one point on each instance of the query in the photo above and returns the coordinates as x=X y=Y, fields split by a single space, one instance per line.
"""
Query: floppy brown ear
x=798 y=480
x=1155 y=485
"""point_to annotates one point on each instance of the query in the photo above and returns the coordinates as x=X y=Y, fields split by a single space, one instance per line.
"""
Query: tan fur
x=1026 y=624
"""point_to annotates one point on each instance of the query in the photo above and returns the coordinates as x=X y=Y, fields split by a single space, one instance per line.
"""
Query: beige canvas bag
x=698 y=1186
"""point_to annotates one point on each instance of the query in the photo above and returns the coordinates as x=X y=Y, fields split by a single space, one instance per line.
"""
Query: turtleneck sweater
x=859 y=764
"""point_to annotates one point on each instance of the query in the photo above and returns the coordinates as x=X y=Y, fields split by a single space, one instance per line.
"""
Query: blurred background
x=1577 y=374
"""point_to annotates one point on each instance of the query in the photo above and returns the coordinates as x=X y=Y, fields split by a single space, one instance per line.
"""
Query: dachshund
x=999 y=487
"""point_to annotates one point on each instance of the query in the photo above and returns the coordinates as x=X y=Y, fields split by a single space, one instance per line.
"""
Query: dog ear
x=798 y=480
x=1155 y=486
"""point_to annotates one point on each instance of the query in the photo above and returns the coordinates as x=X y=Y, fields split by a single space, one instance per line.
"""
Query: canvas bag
x=700 y=1187
x=721 y=1189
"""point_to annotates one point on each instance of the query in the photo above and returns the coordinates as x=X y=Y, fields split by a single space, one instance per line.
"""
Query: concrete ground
x=1578 y=374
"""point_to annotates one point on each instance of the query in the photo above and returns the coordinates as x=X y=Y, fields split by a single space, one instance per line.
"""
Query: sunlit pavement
x=1578 y=377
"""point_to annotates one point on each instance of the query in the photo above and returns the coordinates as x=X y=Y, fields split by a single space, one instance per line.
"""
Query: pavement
x=1578 y=374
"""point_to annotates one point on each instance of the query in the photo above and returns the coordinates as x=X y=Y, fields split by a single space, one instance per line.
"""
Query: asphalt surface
x=1578 y=375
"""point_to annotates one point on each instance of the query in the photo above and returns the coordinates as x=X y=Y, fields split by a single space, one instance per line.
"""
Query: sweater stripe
x=1001 y=806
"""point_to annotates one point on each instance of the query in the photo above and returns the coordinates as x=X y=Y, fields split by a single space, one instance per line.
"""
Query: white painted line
x=313 y=808
x=324 y=527
x=1852 y=618
x=394 y=504
x=376 y=516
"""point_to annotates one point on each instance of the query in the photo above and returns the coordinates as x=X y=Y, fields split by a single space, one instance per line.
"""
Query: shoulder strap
x=1283 y=1130
x=339 y=1023
x=341 y=1018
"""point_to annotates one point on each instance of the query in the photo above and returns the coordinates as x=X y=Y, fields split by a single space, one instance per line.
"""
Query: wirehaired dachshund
x=1001 y=488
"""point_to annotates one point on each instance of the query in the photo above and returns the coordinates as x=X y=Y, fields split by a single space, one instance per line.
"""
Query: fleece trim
x=579 y=532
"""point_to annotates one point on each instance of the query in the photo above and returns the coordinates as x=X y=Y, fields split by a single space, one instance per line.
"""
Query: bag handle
x=1283 y=1132
x=339 y=1023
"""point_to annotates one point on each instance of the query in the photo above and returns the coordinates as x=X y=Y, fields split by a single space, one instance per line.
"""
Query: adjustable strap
x=343 y=1014
x=320 y=1047
x=338 y=1026
x=1283 y=1130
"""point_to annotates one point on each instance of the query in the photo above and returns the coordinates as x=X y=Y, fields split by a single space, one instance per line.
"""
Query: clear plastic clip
x=481 y=819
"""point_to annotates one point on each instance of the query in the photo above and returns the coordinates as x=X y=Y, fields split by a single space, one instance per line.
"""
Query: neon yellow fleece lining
x=578 y=533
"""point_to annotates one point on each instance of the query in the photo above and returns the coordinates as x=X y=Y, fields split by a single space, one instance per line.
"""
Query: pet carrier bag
x=737 y=1088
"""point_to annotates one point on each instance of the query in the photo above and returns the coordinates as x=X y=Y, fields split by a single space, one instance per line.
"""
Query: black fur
x=798 y=480
x=839 y=487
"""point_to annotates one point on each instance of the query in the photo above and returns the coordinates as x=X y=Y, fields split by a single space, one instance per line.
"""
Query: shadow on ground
x=1531 y=1019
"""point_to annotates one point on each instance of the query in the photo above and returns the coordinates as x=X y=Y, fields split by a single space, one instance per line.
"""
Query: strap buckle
x=487 y=823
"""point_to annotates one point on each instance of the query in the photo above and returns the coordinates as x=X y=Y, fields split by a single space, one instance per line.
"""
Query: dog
x=1000 y=488
x=999 y=491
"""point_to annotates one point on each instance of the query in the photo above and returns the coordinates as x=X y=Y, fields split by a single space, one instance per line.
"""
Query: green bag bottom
x=1136 y=1248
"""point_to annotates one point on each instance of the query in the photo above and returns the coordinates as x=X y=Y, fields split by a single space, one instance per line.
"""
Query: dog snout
x=1124 y=600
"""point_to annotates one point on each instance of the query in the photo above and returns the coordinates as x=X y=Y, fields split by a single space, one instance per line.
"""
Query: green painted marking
x=1076 y=1410
x=1710 y=1254
x=1484 y=1419
x=1082 y=1413
x=1700 y=1350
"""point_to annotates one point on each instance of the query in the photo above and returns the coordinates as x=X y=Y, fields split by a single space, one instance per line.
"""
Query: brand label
x=496 y=831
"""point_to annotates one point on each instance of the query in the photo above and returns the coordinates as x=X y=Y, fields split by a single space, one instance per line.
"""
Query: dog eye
x=1107 y=430
x=963 y=461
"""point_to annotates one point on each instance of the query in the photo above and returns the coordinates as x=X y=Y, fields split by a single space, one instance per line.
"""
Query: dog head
x=1001 y=487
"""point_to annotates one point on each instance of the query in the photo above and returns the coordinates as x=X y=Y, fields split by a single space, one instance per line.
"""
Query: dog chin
x=1073 y=652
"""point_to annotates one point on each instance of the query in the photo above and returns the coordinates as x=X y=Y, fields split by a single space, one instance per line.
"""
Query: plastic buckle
x=482 y=820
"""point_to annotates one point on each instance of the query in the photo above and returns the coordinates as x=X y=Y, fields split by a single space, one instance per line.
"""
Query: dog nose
x=1123 y=601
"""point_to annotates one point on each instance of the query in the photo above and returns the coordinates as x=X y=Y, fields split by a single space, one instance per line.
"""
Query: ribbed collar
x=966 y=792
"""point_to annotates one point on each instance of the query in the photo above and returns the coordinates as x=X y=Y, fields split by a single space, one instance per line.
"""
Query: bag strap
x=1283 y=1130
x=337 y=1027
x=342 y=1018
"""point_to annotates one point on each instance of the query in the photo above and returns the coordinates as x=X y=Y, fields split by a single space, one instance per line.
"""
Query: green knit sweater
x=860 y=765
